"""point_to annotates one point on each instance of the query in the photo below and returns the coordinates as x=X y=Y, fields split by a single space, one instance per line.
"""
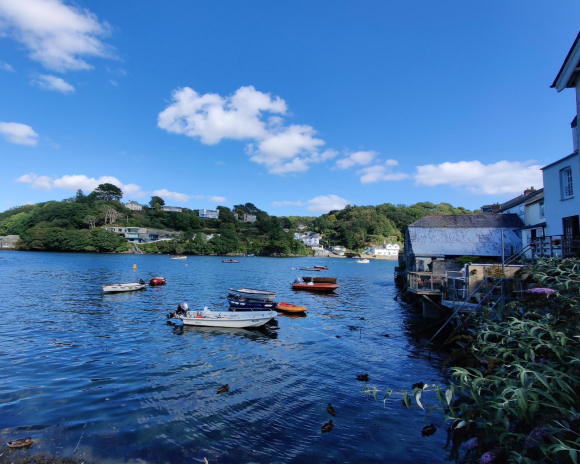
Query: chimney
x=530 y=190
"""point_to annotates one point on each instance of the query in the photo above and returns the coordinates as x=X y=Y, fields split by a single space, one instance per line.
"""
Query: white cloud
x=164 y=193
x=79 y=181
x=482 y=179
x=247 y=115
x=381 y=172
x=5 y=66
x=361 y=158
x=113 y=82
x=48 y=82
x=287 y=203
x=17 y=133
x=57 y=35
x=37 y=182
x=326 y=203
x=215 y=199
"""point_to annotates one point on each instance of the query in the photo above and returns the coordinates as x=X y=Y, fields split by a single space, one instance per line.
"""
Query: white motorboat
x=115 y=288
x=226 y=319
x=253 y=294
x=179 y=257
x=363 y=261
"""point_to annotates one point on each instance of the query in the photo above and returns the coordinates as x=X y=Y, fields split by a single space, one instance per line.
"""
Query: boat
x=314 y=287
x=179 y=257
x=311 y=269
x=363 y=261
x=250 y=255
x=230 y=261
x=227 y=319
x=157 y=281
x=322 y=268
x=131 y=287
x=245 y=304
x=253 y=294
x=319 y=280
x=290 y=308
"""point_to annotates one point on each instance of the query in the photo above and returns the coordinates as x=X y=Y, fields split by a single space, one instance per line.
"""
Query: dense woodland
x=75 y=224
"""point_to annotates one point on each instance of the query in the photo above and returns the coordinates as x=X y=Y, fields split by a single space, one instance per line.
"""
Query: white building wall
x=556 y=208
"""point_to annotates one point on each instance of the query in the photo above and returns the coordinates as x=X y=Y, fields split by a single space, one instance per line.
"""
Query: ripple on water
x=74 y=358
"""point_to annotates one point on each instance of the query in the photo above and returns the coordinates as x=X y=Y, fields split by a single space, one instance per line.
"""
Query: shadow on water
x=146 y=391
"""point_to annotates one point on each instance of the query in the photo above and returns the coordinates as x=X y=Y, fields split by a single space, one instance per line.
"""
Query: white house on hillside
x=389 y=249
x=562 y=178
x=133 y=205
x=209 y=214
x=308 y=238
x=171 y=209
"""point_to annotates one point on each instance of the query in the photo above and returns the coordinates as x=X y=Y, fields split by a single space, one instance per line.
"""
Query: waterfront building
x=133 y=205
x=385 y=250
x=171 y=209
x=308 y=238
x=249 y=218
x=142 y=234
x=209 y=213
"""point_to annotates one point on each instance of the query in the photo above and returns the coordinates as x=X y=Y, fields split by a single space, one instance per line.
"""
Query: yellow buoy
x=134 y=267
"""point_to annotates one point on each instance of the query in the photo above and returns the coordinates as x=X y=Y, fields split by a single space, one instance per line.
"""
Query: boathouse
x=433 y=243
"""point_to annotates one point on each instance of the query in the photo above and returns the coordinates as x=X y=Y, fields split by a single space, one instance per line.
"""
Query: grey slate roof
x=519 y=200
x=469 y=221
x=538 y=197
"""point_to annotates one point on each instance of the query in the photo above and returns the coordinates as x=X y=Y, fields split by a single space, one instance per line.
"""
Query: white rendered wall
x=555 y=207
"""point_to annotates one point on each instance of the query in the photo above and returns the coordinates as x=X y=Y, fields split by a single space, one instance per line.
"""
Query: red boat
x=312 y=287
x=323 y=268
x=157 y=281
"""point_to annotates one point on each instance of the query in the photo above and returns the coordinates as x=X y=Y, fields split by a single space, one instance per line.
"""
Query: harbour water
x=108 y=374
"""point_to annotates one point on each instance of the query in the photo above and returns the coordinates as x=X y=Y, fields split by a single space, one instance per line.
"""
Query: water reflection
x=146 y=390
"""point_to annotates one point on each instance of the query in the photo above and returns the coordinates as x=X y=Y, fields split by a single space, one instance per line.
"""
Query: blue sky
x=297 y=107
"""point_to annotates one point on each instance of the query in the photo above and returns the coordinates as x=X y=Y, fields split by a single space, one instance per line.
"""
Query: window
x=566 y=183
x=522 y=210
x=542 y=210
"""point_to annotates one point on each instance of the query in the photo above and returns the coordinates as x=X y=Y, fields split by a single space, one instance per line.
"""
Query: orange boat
x=290 y=308
x=312 y=287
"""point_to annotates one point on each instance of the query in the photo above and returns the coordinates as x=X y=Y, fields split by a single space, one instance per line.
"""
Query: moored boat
x=179 y=257
x=250 y=255
x=130 y=287
x=319 y=280
x=290 y=308
x=314 y=287
x=311 y=269
x=157 y=281
x=226 y=319
x=322 y=268
x=253 y=294
x=230 y=261
x=245 y=304
x=363 y=261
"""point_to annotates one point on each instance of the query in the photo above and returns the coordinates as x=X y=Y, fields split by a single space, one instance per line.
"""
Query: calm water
x=74 y=360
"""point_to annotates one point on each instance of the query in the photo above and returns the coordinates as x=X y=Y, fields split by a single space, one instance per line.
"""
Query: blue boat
x=250 y=305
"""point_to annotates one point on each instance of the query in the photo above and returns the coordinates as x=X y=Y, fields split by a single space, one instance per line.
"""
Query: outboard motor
x=298 y=280
x=182 y=309
x=141 y=281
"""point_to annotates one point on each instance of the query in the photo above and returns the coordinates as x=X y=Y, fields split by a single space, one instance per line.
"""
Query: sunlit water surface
x=108 y=371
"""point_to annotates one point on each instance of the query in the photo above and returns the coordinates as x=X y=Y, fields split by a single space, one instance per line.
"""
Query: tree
x=108 y=192
x=80 y=197
x=155 y=200
x=91 y=221
x=226 y=215
x=110 y=214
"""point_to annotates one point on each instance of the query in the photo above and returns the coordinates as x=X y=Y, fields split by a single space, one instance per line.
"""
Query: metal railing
x=555 y=246
x=424 y=282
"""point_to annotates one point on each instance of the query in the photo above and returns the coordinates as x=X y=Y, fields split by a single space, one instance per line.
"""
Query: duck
x=20 y=443
x=428 y=430
x=419 y=385
x=328 y=426
x=224 y=389
x=363 y=377
x=331 y=410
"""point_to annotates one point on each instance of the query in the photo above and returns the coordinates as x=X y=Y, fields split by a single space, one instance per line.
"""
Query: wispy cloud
x=216 y=199
x=59 y=36
x=78 y=181
x=166 y=194
x=6 y=67
x=20 y=134
x=287 y=203
x=48 y=82
x=359 y=158
x=381 y=173
x=481 y=179
x=326 y=203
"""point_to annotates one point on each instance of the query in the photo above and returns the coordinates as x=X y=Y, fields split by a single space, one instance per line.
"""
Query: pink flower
x=470 y=444
x=488 y=457
x=544 y=291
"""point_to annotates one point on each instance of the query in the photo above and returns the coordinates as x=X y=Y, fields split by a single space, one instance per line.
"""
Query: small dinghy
x=290 y=308
x=311 y=269
x=363 y=261
x=157 y=281
x=179 y=257
x=244 y=304
x=117 y=288
x=253 y=294
x=230 y=261
x=20 y=443
x=225 y=319
x=322 y=268
x=313 y=287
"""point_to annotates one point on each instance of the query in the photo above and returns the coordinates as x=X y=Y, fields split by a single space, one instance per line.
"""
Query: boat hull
x=249 y=305
x=320 y=288
x=253 y=294
x=228 y=319
x=157 y=281
x=320 y=280
x=311 y=269
x=291 y=309
x=119 y=288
